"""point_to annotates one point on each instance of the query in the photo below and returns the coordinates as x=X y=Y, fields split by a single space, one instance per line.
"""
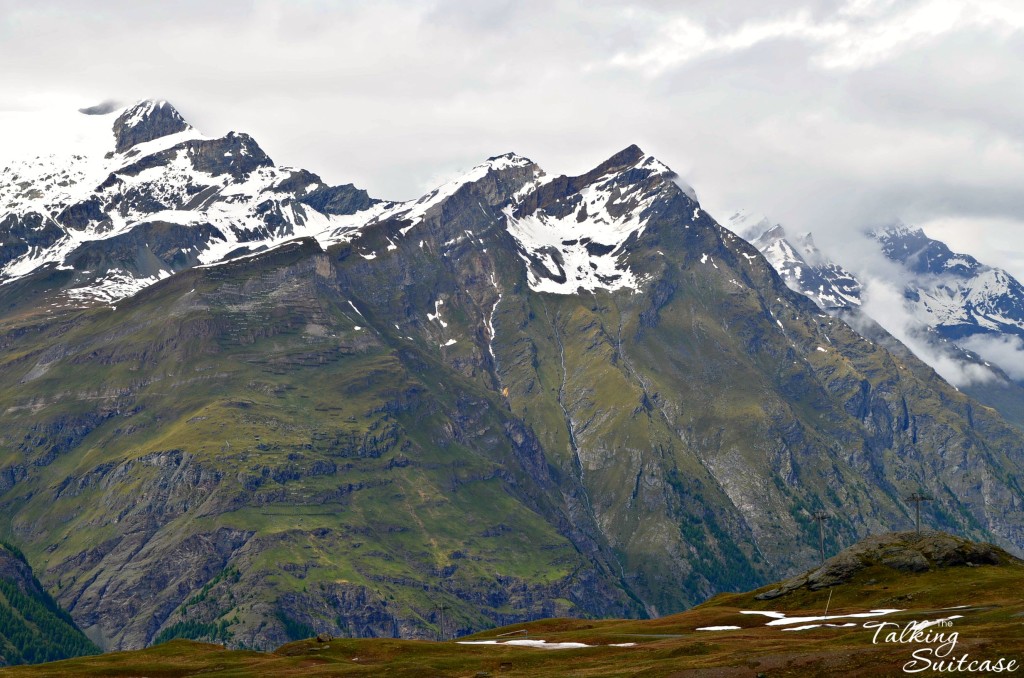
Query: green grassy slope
x=715 y=412
x=246 y=462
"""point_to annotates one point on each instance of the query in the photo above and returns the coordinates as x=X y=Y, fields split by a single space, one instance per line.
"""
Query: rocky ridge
x=163 y=198
x=954 y=293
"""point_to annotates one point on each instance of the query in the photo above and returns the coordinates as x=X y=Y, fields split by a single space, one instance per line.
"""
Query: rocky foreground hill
x=245 y=406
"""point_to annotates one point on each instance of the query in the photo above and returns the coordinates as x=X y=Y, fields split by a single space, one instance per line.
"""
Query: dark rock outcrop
x=902 y=551
x=344 y=199
x=21 y=232
x=146 y=121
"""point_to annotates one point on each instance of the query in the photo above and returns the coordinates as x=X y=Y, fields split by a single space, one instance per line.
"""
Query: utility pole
x=916 y=499
x=821 y=517
x=442 y=608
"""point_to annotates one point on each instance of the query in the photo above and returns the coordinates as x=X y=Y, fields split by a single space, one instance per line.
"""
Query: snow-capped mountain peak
x=801 y=264
x=572 y=231
x=774 y=234
x=507 y=160
x=923 y=255
x=415 y=211
x=895 y=229
x=141 y=194
x=954 y=292
x=145 y=121
x=952 y=301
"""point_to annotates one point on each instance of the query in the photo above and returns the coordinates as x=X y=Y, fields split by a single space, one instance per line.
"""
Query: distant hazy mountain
x=952 y=292
x=953 y=302
x=804 y=268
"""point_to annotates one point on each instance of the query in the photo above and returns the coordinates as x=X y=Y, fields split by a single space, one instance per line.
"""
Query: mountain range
x=243 y=405
x=962 y=317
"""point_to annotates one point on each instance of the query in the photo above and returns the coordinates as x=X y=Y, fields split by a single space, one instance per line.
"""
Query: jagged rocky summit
x=953 y=294
x=155 y=197
x=805 y=269
x=958 y=296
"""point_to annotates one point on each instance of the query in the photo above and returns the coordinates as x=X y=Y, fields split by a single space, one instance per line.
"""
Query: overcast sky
x=826 y=116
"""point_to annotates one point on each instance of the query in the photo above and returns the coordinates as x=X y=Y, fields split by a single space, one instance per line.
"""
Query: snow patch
x=436 y=315
x=541 y=644
x=585 y=249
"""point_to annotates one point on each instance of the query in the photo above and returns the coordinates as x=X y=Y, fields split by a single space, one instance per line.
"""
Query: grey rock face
x=20 y=232
x=344 y=199
x=17 y=571
x=235 y=154
x=150 y=248
x=146 y=121
x=921 y=254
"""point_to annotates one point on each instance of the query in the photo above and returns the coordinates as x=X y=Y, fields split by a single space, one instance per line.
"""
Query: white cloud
x=883 y=302
x=1005 y=351
x=681 y=40
x=856 y=35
